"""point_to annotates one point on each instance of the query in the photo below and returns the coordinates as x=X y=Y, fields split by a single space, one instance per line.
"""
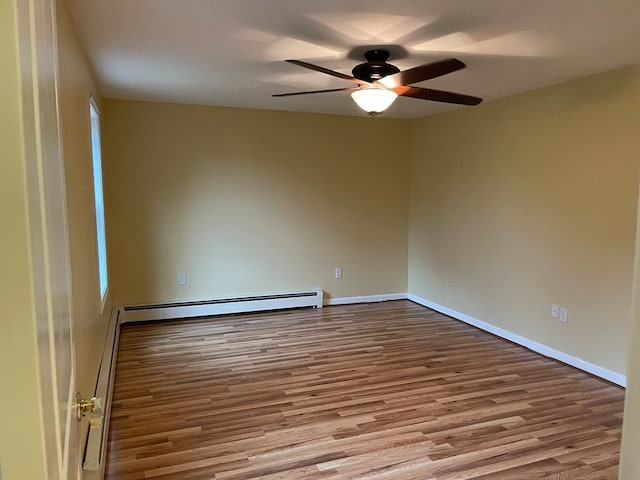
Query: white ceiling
x=232 y=52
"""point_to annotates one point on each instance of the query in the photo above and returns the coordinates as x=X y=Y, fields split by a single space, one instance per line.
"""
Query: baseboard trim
x=576 y=362
x=365 y=299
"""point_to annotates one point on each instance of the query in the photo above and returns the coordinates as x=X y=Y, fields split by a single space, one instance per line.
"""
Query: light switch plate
x=564 y=315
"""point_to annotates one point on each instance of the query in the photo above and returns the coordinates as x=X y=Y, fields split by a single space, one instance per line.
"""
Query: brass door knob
x=90 y=409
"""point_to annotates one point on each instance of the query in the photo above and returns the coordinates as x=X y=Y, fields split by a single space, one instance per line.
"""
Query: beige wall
x=528 y=201
x=76 y=84
x=252 y=202
x=515 y=205
x=21 y=444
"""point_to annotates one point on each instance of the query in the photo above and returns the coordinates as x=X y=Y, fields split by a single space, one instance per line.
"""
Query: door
x=46 y=196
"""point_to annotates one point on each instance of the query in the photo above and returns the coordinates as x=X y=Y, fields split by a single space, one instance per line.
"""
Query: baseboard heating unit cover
x=222 y=306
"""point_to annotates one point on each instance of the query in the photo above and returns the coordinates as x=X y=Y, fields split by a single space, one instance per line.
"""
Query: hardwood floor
x=386 y=391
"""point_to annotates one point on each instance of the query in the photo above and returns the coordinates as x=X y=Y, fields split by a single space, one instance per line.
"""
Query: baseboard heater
x=93 y=464
x=222 y=306
x=96 y=447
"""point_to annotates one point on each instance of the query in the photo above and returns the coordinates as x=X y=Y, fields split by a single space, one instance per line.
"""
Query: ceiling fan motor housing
x=375 y=68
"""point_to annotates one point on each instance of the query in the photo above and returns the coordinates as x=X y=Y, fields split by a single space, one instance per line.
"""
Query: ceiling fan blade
x=313 y=91
x=437 y=95
x=333 y=73
x=422 y=73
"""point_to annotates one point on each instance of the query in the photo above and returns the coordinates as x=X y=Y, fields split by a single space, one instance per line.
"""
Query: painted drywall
x=89 y=323
x=21 y=444
x=629 y=460
x=248 y=201
x=529 y=201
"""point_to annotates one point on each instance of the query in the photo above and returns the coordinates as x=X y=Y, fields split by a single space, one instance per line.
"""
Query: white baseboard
x=591 y=368
x=365 y=299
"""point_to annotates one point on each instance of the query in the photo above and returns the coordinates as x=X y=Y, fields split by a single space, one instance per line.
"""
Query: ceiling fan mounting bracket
x=376 y=66
x=377 y=55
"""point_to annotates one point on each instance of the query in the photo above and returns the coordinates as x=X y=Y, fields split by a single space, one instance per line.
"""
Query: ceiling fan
x=379 y=83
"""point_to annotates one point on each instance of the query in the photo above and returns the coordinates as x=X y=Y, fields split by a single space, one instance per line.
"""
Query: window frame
x=95 y=138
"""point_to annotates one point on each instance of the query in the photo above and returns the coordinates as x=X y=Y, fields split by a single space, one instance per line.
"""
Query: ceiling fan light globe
x=374 y=100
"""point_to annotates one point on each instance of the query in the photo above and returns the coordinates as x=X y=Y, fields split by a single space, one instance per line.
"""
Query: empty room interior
x=260 y=277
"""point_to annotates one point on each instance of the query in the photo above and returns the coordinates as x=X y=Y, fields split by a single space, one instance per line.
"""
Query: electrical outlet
x=564 y=315
x=182 y=278
x=554 y=310
x=338 y=272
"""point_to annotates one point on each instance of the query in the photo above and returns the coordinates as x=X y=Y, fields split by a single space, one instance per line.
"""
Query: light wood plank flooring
x=386 y=391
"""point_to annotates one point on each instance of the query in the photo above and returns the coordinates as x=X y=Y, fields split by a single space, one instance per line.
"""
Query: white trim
x=222 y=306
x=365 y=299
x=591 y=368
x=92 y=101
x=103 y=302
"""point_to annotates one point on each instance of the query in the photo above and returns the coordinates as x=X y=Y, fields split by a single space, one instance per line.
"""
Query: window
x=99 y=201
